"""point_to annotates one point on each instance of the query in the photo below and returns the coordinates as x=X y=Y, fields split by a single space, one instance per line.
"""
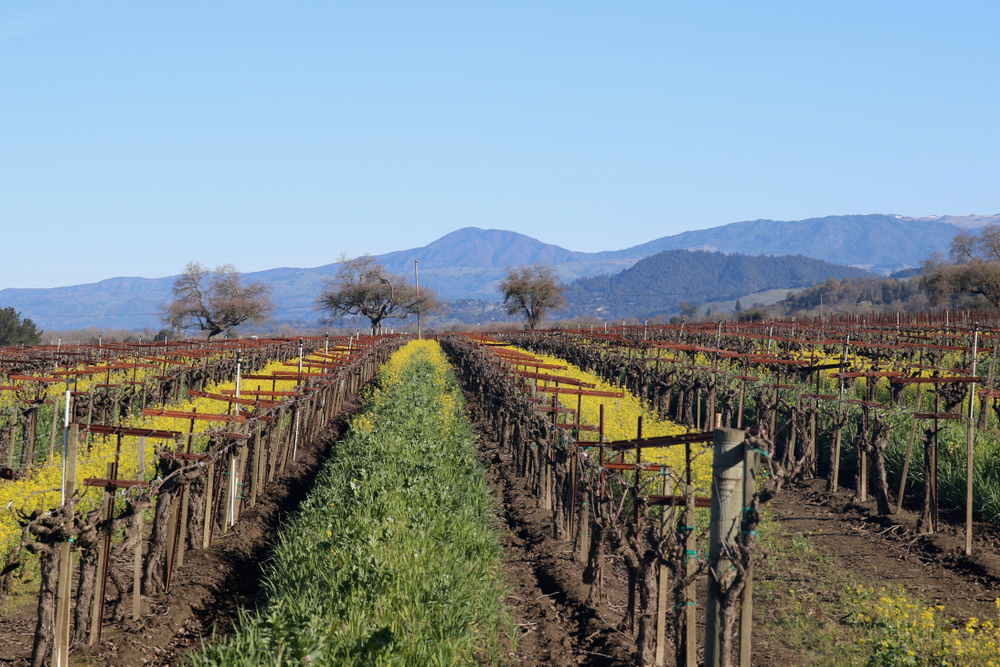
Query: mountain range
x=657 y=285
x=468 y=263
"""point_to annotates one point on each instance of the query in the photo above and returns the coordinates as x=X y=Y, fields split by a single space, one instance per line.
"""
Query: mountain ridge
x=469 y=262
x=656 y=285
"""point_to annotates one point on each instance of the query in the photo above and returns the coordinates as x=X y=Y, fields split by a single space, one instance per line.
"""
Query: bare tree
x=214 y=301
x=974 y=267
x=532 y=291
x=363 y=287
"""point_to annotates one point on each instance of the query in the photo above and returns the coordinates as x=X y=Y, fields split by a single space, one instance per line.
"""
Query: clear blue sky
x=136 y=136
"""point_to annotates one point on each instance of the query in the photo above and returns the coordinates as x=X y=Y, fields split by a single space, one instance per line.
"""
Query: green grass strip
x=393 y=558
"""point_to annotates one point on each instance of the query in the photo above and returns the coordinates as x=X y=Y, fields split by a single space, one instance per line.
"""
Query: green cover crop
x=393 y=558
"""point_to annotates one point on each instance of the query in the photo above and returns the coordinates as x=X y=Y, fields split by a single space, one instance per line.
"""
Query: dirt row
x=890 y=551
x=548 y=596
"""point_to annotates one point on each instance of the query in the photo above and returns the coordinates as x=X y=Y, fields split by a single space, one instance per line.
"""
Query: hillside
x=468 y=263
x=881 y=243
x=656 y=285
x=472 y=247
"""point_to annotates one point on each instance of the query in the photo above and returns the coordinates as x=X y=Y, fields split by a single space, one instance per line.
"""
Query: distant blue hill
x=468 y=264
x=879 y=243
x=656 y=285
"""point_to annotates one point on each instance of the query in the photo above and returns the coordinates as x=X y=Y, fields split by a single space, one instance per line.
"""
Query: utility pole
x=416 y=277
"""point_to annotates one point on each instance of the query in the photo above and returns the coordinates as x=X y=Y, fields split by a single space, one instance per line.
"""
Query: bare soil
x=889 y=550
x=874 y=551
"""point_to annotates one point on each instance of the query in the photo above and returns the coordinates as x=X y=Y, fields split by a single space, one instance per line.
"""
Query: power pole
x=416 y=277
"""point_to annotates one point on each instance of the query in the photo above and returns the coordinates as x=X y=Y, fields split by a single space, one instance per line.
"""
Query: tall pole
x=416 y=278
x=65 y=456
x=726 y=516
x=971 y=447
x=239 y=364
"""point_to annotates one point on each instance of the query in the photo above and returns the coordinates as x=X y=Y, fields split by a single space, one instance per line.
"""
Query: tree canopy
x=531 y=291
x=974 y=267
x=215 y=301
x=362 y=287
x=15 y=331
x=849 y=296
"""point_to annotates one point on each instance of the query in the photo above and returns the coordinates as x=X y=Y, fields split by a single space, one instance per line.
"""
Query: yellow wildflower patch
x=40 y=489
x=621 y=422
x=904 y=632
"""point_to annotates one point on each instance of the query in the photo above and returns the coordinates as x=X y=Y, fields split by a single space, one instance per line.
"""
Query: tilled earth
x=889 y=550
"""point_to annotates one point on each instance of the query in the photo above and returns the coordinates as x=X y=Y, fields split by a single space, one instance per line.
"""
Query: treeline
x=857 y=295
x=15 y=331
x=658 y=284
x=867 y=295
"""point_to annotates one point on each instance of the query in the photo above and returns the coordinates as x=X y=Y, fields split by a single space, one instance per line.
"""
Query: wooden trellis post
x=751 y=464
x=970 y=452
x=60 y=649
x=137 y=563
x=727 y=510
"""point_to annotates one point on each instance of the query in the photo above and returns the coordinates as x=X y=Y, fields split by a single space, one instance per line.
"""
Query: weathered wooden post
x=970 y=451
x=60 y=650
x=52 y=432
x=691 y=566
x=244 y=471
x=232 y=460
x=137 y=563
x=13 y=433
x=909 y=450
x=751 y=464
x=104 y=551
x=663 y=583
x=274 y=437
x=662 y=602
x=835 y=463
x=206 y=534
x=727 y=510
x=295 y=442
x=257 y=459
